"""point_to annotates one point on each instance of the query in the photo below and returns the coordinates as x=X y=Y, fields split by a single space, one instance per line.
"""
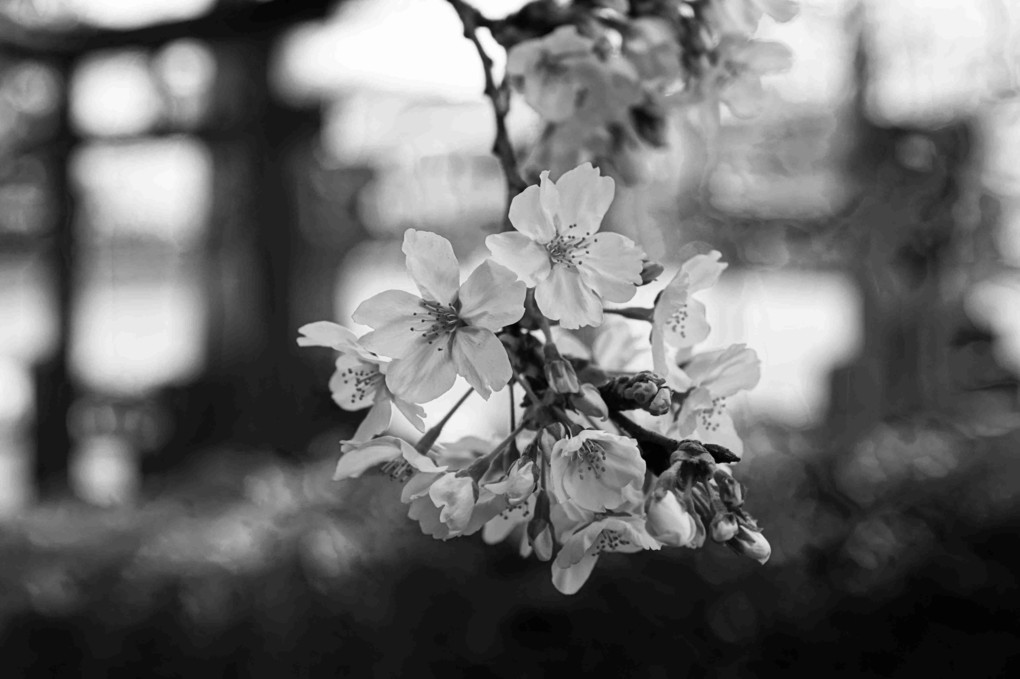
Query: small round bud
x=669 y=523
x=650 y=271
x=724 y=527
x=751 y=543
x=661 y=402
x=589 y=401
x=561 y=377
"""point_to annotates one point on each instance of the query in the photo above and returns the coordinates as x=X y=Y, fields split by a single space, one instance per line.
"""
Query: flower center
x=592 y=458
x=435 y=321
x=398 y=469
x=678 y=321
x=567 y=250
x=707 y=417
x=366 y=379
x=609 y=541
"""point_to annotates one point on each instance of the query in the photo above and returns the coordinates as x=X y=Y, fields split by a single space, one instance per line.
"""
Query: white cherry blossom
x=679 y=321
x=596 y=470
x=397 y=457
x=583 y=545
x=449 y=329
x=359 y=380
x=713 y=377
x=558 y=250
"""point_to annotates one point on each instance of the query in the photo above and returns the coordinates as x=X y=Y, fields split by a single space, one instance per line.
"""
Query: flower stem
x=527 y=388
x=633 y=312
x=513 y=406
x=539 y=317
x=479 y=467
x=426 y=442
x=499 y=95
x=655 y=448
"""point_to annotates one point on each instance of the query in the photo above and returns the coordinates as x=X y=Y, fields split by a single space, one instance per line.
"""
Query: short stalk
x=426 y=442
x=635 y=313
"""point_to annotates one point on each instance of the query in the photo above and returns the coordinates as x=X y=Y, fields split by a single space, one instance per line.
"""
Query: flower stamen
x=593 y=459
x=436 y=321
x=568 y=250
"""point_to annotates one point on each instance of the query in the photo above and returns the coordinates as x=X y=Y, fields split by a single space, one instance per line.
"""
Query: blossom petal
x=577 y=544
x=432 y=265
x=678 y=325
x=744 y=96
x=418 y=486
x=326 y=334
x=455 y=496
x=491 y=297
x=634 y=532
x=765 y=56
x=500 y=526
x=530 y=217
x=354 y=383
x=377 y=420
x=481 y=359
x=565 y=297
x=426 y=373
x=716 y=426
x=392 y=315
x=780 y=10
x=584 y=197
x=422 y=463
x=414 y=413
x=522 y=255
x=726 y=371
x=593 y=468
x=611 y=265
x=570 y=579
x=702 y=271
x=358 y=457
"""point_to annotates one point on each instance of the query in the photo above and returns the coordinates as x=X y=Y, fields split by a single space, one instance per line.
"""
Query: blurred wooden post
x=54 y=388
x=900 y=256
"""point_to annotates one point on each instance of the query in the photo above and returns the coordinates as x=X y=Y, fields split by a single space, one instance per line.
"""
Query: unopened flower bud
x=540 y=528
x=641 y=392
x=650 y=271
x=724 y=527
x=589 y=401
x=751 y=543
x=558 y=372
x=660 y=403
x=548 y=437
x=669 y=523
x=730 y=490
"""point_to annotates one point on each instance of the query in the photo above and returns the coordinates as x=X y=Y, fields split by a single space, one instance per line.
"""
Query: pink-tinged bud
x=589 y=402
x=752 y=543
x=650 y=271
x=661 y=402
x=724 y=527
x=669 y=523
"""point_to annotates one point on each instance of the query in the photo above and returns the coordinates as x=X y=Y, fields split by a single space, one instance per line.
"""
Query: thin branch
x=499 y=95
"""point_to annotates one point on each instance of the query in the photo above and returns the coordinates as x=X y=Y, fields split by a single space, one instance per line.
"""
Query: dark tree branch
x=499 y=95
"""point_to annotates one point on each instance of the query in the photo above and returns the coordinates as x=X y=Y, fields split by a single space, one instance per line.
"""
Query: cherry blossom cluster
x=604 y=74
x=600 y=455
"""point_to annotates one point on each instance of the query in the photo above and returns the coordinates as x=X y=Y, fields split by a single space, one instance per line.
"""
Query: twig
x=499 y=95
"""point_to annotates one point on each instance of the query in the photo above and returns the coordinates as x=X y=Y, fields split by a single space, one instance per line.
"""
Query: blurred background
x=184 y=183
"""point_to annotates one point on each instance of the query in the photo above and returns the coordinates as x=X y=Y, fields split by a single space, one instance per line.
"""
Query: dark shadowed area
x=184 y=183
